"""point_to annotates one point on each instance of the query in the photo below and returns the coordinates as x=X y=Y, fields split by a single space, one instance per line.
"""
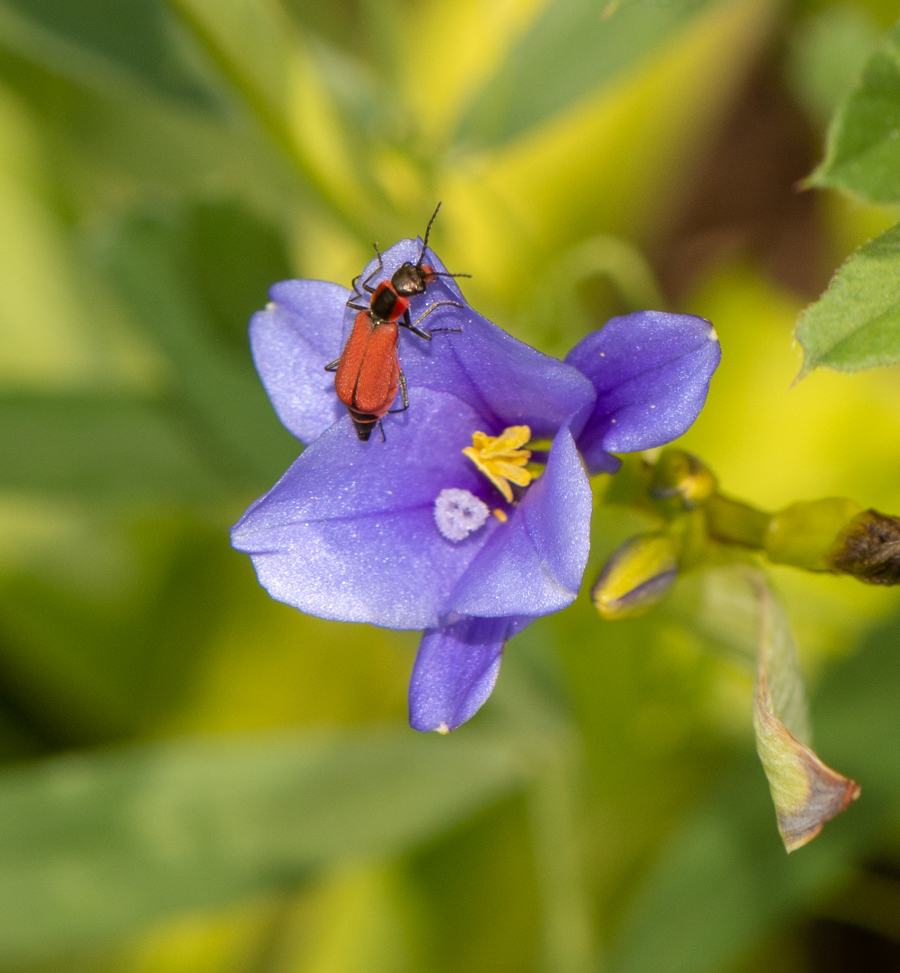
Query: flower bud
x=680 y=475
x=869 y=548
x=636 y=577
x=805 y=534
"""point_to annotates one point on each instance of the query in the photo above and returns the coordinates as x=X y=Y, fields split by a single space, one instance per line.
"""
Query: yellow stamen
x=501 y=458
x=500 y=515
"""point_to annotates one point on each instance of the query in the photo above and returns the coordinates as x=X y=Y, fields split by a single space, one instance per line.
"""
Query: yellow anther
x=500 y=515
x=502 y=459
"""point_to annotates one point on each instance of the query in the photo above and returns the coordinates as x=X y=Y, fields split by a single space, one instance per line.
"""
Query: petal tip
x=454 y=673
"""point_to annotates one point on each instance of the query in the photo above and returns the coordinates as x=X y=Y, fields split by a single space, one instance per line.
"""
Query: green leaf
x=92 y=847
x=233 y=257
x=258 y=50
x=218 y=386
x=87 y=667
x=856 y=322
x=724 y=882
x=99 y=42
x=827 y=56
x=252 y=43
x=570 y=50
x=863 y=151
x=102 y=450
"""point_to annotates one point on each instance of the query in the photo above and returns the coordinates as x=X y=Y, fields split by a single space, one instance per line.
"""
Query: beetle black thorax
x=383 y=304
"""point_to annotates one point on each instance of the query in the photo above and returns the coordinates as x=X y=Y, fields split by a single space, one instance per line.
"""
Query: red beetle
x=368 y=371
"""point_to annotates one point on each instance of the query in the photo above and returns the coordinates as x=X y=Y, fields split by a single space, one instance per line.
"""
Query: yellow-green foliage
x=160 y=165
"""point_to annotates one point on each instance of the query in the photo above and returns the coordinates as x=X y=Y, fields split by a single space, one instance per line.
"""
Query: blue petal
x=292 y=341
x=651 y=370
x=533 y=565
x=348 y=532
x=456 y=670
x=508 y=382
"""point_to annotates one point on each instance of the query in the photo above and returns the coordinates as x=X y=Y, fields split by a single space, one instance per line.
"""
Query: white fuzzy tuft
x=458 y=513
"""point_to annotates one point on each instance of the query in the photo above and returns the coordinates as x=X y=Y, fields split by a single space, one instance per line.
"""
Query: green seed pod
x=636 y=577
x=805 y=534
x=679 y=475
x=869 y=548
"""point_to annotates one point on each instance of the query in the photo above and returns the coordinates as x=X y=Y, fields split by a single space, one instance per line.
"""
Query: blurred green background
x=197 y=779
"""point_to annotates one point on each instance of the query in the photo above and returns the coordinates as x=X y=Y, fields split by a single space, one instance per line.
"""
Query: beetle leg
x=332 y=366
x=414 y=326
x=381 y=427
x=375 y=272
x=357 y=307
x=404 y=395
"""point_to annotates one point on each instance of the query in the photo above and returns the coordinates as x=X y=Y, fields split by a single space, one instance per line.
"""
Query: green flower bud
x=636 y=577
x=805 y=534
x=869 y=548
x=680 y=475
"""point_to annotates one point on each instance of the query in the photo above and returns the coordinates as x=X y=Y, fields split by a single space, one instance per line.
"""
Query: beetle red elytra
x=368 y=372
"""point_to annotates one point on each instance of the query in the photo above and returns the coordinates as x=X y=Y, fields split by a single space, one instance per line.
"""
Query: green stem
x=733 y=522
x=559 y=858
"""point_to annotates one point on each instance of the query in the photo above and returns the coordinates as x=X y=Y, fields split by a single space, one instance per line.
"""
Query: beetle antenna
x=444 y=273
x=427 y=232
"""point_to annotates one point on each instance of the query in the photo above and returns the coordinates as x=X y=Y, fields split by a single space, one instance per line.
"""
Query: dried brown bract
x=869 y=548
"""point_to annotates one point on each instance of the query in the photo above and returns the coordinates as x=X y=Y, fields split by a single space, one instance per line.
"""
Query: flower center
x=502 y=459
x=458 y=513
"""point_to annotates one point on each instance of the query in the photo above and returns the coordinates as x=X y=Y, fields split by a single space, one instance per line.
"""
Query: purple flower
x=443 y=526
x=651 y=370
